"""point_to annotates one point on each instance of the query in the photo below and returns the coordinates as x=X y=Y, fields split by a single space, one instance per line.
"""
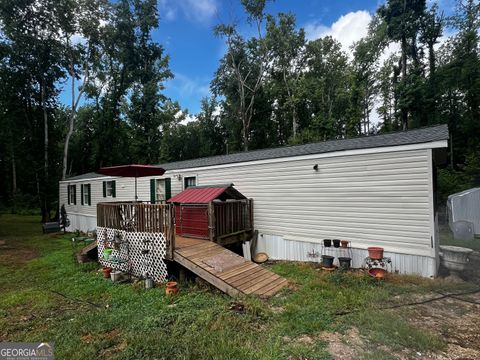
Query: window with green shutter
x=85 y=194
x=109 y=188
x=153 y=190
x=72 y=194
x=168 y=188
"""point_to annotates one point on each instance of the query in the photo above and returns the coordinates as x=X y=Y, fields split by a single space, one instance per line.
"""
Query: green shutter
x=153 y=190
x=89 y=194
x=104 y=189
x=81 y=194
x=74 y=194
x=68 y=194
x=114 y=188
x=168 y=188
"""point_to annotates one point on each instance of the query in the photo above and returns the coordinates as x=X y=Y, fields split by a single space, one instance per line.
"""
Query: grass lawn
x=46 y=296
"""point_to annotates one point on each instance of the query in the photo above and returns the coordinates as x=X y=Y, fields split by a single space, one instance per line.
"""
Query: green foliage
x=95 y=318
x=270 y=89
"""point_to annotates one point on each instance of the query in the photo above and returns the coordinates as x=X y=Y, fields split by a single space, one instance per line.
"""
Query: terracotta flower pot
x=106 y=272
x=336 y=243
x=344 y=243
x=327 y=242
x=171 y=288
x=375 y=253
x=377 y=273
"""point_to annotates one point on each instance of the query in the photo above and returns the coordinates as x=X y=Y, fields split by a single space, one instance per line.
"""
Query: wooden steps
x=226 y=270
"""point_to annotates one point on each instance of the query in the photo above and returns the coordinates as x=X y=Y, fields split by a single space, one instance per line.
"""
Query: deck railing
x=230 y=217
x=139 y=217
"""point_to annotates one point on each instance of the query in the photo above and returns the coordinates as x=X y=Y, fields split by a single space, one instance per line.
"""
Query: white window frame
x=189 y=178
x=86 y=193
x=109 y=188
x=71 y=194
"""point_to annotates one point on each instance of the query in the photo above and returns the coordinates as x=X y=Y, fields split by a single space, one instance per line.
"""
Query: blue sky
x=186 y=32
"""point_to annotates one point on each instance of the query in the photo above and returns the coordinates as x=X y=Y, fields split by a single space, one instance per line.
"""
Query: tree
x=150 y=72
x=39 y=67
x=287 y=46
x=402 y=18
x=326 y=89
x=80 y=26
x=246 y=63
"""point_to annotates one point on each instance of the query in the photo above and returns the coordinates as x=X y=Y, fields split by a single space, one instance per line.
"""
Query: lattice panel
x=139 y=253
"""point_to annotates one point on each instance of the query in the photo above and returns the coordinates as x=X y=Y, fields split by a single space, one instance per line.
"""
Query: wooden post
x=250 y=201
x=211 y=220
x=171 y=224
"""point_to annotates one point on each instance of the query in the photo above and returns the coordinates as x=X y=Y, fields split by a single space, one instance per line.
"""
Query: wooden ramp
x=226 y=270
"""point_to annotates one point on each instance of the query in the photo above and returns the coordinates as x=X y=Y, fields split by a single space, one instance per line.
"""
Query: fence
x=139 y=217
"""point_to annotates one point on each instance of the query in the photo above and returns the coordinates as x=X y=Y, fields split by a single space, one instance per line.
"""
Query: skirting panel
x=83 y=223
x=278 y=248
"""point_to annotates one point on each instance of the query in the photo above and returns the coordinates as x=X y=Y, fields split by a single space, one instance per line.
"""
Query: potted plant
x=106 y=272
x=344 y=243
x=336 y=243
x=327 y=261
x=327 y=242
x=171 y=288
x=375 y=253
x=107 y=253
x=345 y=262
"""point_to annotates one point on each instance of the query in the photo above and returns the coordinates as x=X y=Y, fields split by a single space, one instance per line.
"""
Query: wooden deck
x=226 y=270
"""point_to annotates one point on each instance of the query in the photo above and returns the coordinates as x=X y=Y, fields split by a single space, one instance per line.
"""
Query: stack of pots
x=327 y=260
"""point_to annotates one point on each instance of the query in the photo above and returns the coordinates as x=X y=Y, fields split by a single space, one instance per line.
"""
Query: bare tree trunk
x=45 y=133
x=14 y=182
x=45 y=212
x=404 y=71
x=70 y=125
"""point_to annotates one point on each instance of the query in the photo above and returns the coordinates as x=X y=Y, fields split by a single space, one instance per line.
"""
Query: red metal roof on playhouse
x=198 y=195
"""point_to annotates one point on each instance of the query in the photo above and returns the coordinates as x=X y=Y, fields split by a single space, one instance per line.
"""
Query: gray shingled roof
x=90 y=175
x=417 y=136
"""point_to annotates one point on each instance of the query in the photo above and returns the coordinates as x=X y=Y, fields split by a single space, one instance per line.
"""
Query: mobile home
x=372 y=191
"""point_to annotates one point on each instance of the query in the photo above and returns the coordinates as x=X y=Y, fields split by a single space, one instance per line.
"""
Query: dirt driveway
x=454 y=320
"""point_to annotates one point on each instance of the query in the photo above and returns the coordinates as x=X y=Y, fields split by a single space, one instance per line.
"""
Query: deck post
x=211 y=221
x=250 y=201
x=171 y=225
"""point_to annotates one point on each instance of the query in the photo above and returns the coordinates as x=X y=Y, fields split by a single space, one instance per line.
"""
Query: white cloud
x=187 y=86
x=348 y=29
x=185 y=117
x=201 y=11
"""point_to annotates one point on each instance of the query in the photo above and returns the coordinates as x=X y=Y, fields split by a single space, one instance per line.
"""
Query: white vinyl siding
x=378 y=198
x=373 y=199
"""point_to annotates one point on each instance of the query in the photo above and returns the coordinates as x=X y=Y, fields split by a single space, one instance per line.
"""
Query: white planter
x=454 y=258
x=116 y=275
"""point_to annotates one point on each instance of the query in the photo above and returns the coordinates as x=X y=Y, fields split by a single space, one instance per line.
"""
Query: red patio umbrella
x=132 y=170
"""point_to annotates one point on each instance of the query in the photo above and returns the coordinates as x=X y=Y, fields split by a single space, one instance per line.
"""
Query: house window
x=189 y=181
x=109 y=188
x=72 y=194
x=86 y=194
